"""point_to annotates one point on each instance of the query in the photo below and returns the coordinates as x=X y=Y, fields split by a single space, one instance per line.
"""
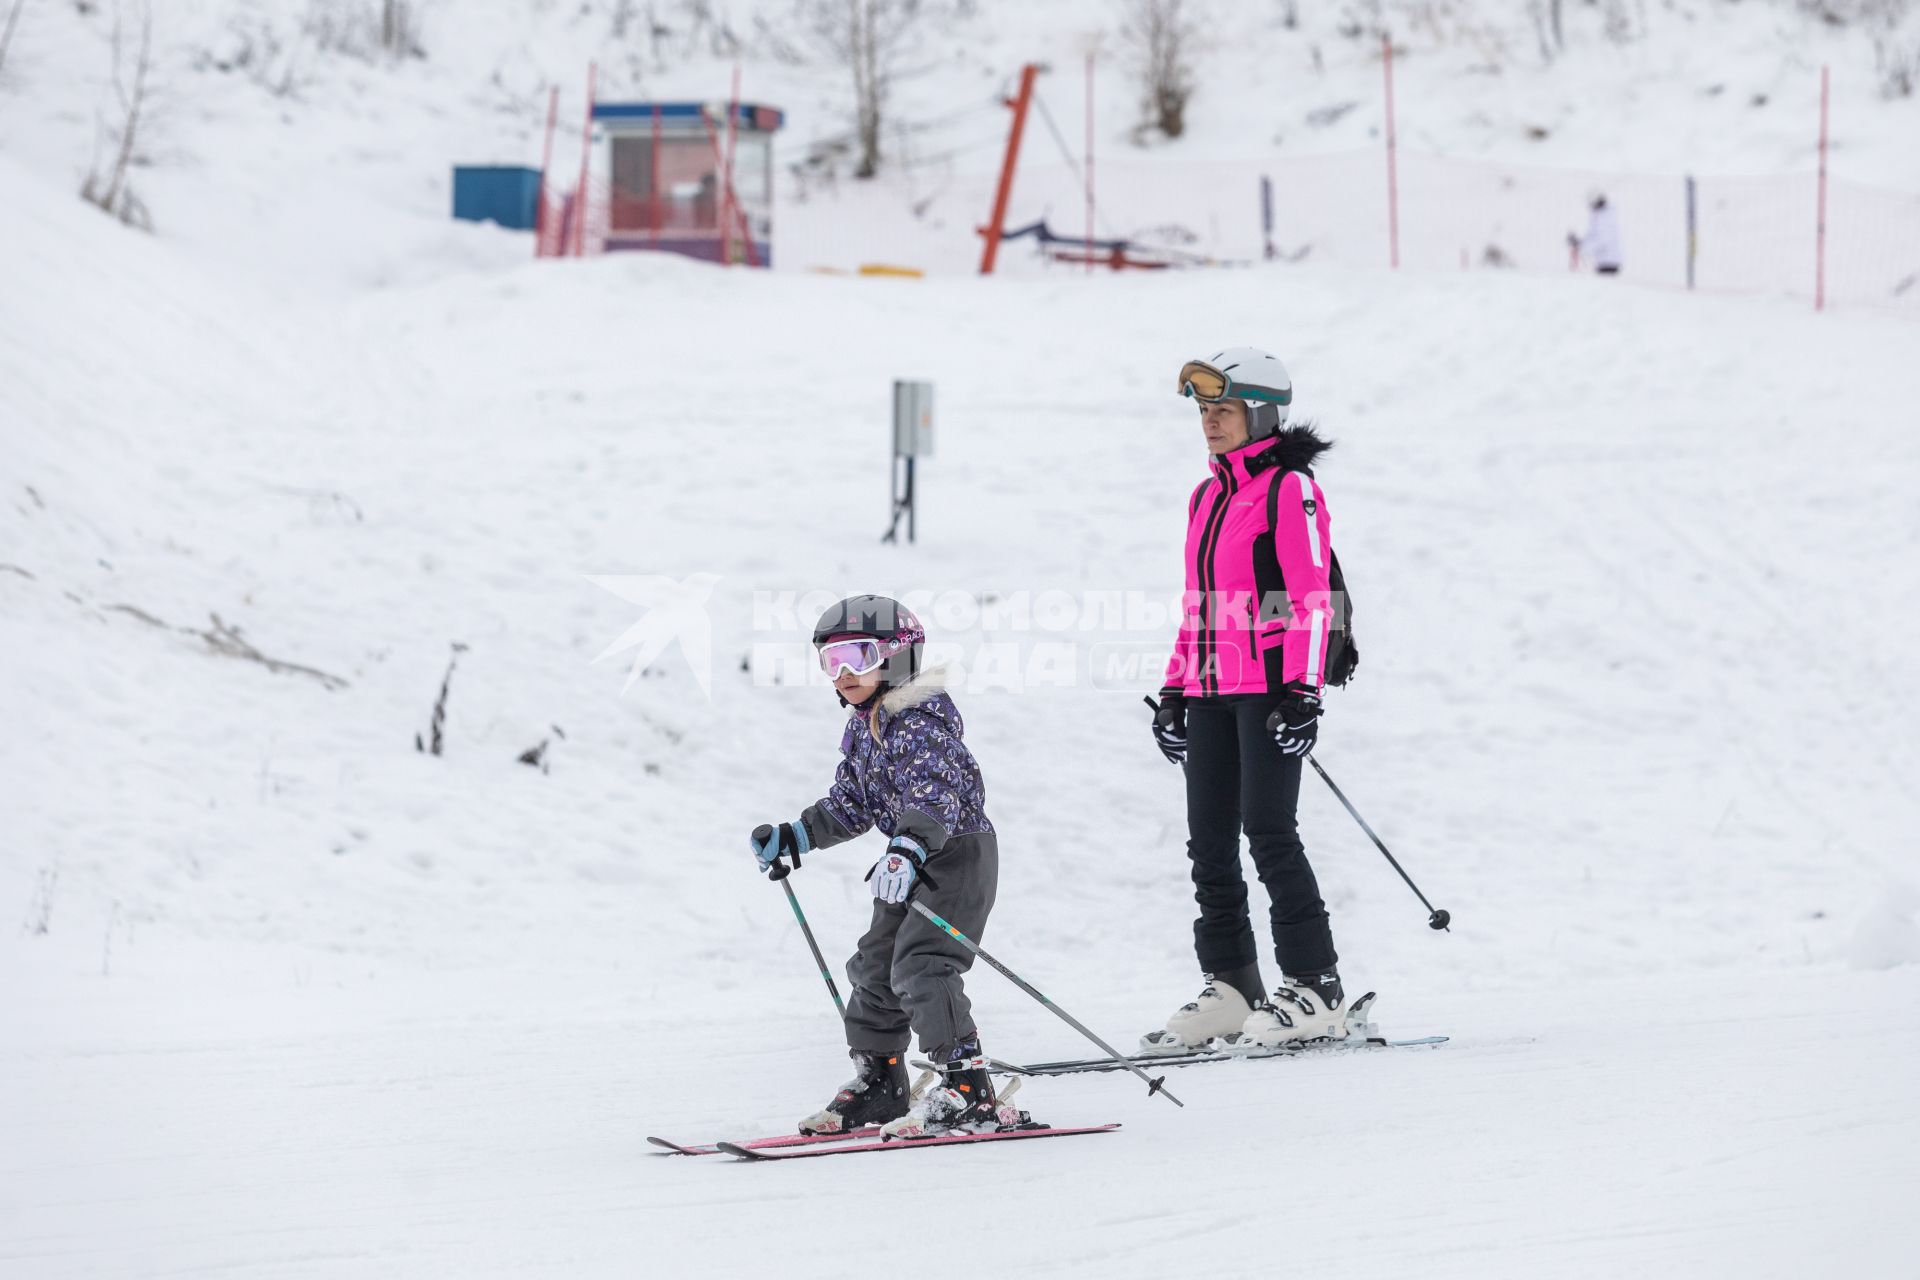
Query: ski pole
x=1435 y=919
x=780 y=872
x=1153 y=1086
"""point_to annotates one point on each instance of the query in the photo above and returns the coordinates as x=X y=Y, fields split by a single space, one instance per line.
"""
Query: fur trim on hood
x=915 y=691
x=904 y=697
x=1295 y=448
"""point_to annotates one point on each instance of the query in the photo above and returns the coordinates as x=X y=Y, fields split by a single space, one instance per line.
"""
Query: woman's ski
x=1076 y=1066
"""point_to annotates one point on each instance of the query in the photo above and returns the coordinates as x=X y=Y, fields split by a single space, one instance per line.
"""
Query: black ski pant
x=1238 y=779
x=907 y=974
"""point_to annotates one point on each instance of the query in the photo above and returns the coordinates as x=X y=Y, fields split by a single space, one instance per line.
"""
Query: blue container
x=506 y=194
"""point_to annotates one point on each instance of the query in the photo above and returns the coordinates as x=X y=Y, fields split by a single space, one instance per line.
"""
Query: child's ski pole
x=1153 y=1086
x=780 y=872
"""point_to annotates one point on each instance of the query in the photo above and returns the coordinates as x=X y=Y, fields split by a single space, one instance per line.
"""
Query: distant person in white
x=1601 y=244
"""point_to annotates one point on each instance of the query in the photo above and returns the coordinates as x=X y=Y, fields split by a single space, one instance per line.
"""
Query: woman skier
x=1241 y=706
x=905 y=770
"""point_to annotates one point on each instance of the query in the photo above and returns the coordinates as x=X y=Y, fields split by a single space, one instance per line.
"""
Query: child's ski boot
x=877 y=1093
x=961 y=1101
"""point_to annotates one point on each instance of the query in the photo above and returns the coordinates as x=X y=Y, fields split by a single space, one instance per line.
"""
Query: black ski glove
x=770 y=844
x=1295 y=723
x=1170 y=725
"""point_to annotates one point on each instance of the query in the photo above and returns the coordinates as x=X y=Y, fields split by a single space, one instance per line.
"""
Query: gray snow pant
x=907 y=973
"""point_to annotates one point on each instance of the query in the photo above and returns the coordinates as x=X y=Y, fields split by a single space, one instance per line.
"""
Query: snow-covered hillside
x=258 y=140
x=288 y=997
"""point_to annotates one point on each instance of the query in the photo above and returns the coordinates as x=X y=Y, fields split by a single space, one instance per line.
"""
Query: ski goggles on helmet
x=1204 y=382
x=858 y=654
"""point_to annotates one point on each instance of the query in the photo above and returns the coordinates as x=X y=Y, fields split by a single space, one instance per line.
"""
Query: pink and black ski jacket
x=1257 y=614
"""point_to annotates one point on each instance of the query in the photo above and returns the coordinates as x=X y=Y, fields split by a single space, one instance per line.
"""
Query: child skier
x=904 y=770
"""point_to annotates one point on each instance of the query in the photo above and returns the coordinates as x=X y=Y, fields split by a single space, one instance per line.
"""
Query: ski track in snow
x=1623 y=1128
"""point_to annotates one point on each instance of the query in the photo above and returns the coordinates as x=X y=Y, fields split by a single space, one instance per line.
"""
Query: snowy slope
x=1634 y=576
x=1604 y=717
x=259 y=141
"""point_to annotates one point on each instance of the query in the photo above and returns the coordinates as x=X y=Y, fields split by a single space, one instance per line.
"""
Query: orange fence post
x=653 y=184
x=542 y=227
x=586 y=170
x=733 y=129
x=732 y=204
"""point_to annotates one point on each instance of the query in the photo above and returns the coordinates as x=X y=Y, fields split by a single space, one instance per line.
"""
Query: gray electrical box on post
x=912 y=439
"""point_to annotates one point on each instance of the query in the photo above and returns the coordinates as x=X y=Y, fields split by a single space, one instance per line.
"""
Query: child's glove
x=1295 y=723
x=770 y=844
x=892 y=877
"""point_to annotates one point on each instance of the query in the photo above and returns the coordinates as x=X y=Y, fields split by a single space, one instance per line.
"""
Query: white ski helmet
x=1254 y=377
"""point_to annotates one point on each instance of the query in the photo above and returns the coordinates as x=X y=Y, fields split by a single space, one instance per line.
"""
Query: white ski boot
x=1301 y=1011
x=1220 y=1010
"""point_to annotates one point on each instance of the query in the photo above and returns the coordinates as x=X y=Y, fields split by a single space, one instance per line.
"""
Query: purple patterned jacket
x=910 y=772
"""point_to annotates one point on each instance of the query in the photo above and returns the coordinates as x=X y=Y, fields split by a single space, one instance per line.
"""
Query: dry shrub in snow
x=1159 y=35
x=7 y=30
x=366 y=28
x=870 y=38
x=109 y=187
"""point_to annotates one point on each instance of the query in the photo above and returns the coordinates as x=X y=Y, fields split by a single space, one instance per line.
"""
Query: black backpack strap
x=1343 y=656
x=1193 y=503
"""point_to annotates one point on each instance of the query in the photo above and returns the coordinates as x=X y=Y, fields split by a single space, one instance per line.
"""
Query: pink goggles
x=859 y=655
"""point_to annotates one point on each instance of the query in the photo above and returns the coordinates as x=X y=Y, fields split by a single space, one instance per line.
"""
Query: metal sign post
x=912 y=438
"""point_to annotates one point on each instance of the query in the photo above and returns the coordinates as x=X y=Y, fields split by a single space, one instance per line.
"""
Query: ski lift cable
x=1100 y=214
x=940 y=157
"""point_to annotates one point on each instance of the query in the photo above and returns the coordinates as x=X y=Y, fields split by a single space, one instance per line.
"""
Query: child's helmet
x=880 y=618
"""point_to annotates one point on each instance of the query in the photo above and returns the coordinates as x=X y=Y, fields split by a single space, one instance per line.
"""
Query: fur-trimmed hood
x=915 y=691
x=1295 y=448
x=926 y=692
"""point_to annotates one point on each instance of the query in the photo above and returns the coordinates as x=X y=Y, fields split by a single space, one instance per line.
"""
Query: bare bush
x=1885 y=14
x=435 y=741
x=772 y=37
x=1549 y=27
x=109 y=188
x=537 y=756
x=6 y=33
x=40 y=905
x=869 y=38
x=1896 y=61
x=708 y=26
x=1159 y=35
x=1616 y=20
x=256 y=46
x=229 y=641
x=366 y=28
x=400 y=29
x=1896 y=52
x=1362 y=20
